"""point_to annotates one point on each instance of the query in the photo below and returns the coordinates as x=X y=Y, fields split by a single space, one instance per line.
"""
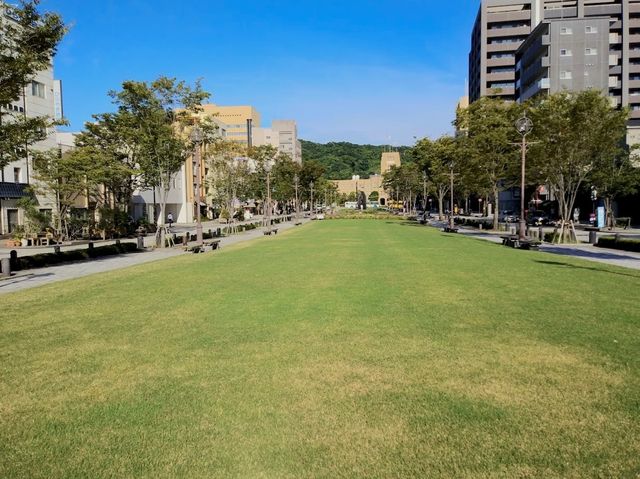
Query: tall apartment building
x=501 y=26
x=282 y=135
x=572 y=44
x=239 y=120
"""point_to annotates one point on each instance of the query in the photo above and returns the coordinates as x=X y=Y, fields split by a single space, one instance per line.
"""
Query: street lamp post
x=196 y=137
x=311 y=206
x=451 y=224
x=524 y=126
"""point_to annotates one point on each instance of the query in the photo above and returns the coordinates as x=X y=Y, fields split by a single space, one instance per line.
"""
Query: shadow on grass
x=574 y=266
x=581 y=253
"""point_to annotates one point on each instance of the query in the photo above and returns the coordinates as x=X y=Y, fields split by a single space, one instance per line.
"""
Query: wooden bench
x=270 y=231
x=448 y=229
x=212 y=244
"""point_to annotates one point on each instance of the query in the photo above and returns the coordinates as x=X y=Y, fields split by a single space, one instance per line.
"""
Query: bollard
x=540 y=233
x=90 y=245
x=593 y=237
x=56 y=249
x=118 y=242
x=13 y=260
x=5 y=267
x=480 y=226
x=140 y=241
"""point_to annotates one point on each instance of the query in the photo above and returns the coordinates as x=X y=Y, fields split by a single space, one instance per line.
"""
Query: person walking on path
x=170 y=219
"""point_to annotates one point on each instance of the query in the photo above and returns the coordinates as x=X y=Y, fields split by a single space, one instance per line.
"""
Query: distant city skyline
x=376 y=72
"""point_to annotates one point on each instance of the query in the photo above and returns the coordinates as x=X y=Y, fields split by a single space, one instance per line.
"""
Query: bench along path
x=37 y=277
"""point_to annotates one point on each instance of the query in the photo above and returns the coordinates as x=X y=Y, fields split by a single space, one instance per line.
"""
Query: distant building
x=372 y=186
x=239 y=120
x=282 y=135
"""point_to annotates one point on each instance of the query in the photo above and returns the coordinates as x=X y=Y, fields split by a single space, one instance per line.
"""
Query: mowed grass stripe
x=341 y=349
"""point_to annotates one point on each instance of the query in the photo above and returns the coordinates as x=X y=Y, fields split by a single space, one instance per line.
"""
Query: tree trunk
x=496 y=211
x=441 y=196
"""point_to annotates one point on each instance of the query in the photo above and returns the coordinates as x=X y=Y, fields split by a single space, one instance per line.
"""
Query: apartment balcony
x=614 y=83
x=634 y=53
x=634 y=115
x=634 y=8
x=560 y=13
x=510 y=91
x=503 y=47
x=633 y=23
x=634 y=68
x=545 y=62
x=634 y=83
x=501 y=76
x=508 y=32
x=634 y=99
x=602 y=10
x=613 y=59
x=617 y=25
x=544 y=83
x=509 y=16
x=500 y=62
x=635 y=38
x=615 y=70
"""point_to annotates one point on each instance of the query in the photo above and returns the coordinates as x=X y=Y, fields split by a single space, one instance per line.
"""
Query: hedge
x=49 y=259
x=624 y=244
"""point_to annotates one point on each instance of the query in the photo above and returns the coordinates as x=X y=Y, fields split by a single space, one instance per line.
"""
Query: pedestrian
x=170 y=219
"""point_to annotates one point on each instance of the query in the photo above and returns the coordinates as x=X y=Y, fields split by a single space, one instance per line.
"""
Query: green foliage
x=43 y=260
x=625 y=244
x=29 y=40
x=342 y=160
x=578 y=134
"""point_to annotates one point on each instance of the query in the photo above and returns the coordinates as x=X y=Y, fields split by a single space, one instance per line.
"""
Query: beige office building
x=235 y=118
x=282 y=135
x=373 y=184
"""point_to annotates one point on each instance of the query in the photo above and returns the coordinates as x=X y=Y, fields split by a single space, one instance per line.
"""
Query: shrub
x=49 y=259
x=625 y=244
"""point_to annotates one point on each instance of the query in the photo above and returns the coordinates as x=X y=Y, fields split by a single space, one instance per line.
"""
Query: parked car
x=509 y=216
x=538 y=218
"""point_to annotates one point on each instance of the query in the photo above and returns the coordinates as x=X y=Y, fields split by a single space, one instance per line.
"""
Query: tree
x=614 y=177
x=577 y=133
x=146 y=141
x=435 y=158
x=28 y=42
x=490 y=148
x=65 y=177
x=403 y=182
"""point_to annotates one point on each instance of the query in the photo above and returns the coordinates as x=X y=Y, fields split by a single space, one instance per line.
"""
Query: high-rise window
x=565 y=76
x=590 y=29
x=590 y=51
x=565 y=53
x=566 y=31
x=16 y=175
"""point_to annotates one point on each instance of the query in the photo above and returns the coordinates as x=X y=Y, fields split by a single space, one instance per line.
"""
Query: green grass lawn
x=340 y=349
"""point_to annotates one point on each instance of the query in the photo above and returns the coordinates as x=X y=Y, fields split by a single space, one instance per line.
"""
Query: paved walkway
x=40 y=276
x=626 y=259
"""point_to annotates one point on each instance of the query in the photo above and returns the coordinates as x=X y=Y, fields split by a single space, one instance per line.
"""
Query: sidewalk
x=625 y=259
x=40 y=276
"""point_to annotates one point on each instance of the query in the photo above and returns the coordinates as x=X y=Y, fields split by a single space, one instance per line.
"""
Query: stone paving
x=589 y=252
x=40 y=276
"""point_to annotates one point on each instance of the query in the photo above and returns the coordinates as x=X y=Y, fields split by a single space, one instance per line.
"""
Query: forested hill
x=342 y=160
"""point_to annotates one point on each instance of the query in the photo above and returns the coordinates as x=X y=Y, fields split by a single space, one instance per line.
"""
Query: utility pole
x=451 y=224
x=311 y=207
x=296 y=182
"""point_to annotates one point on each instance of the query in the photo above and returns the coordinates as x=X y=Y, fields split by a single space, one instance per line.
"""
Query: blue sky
x=363 y=71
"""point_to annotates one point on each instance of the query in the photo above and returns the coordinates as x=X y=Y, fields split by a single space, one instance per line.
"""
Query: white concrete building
x=282 y=135
x=41 y=97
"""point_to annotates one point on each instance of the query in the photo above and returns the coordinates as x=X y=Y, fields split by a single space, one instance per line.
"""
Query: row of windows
x=501 y=55
x=587 y=29
x=564 y=52
x=11 y=107
x=494 y=41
